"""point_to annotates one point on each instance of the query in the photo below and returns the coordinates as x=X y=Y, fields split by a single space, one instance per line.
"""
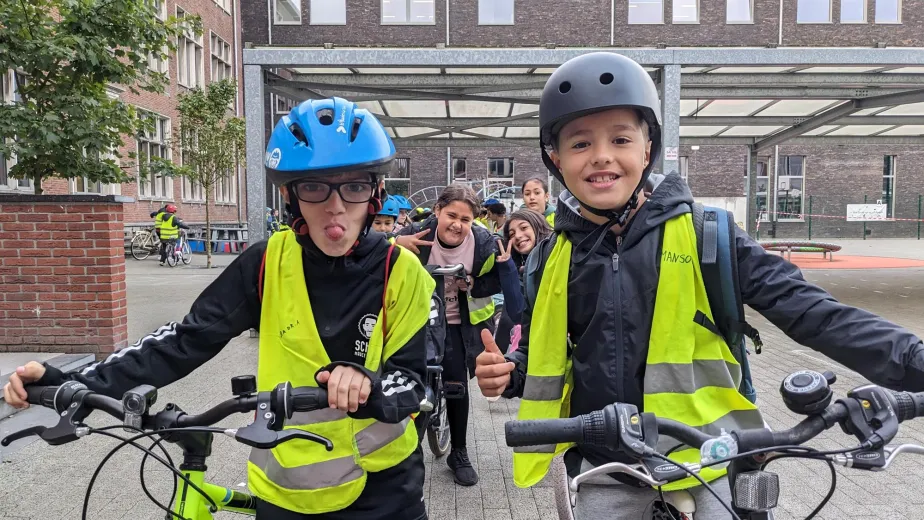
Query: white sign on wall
x=866 y=212
x=671 y=153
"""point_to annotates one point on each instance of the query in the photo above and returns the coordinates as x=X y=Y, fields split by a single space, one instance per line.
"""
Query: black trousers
x=455 y=369
x=164 y=244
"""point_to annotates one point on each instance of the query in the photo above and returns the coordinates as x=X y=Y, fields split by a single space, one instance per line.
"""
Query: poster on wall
x=866 y=212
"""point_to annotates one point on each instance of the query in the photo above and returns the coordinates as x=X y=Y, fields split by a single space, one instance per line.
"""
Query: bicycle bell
x=807 y=392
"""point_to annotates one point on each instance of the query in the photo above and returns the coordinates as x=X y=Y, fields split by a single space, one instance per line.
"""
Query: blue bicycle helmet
x=390 y=207
x=490 y=202
x=403 y=203
x=327 y=136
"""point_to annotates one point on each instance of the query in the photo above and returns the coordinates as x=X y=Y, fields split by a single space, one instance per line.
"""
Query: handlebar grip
x=910 y=405
x=307 y=399
x=41 y=395
x=544 y=431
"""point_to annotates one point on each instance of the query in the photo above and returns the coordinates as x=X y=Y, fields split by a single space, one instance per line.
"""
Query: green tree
x=210 y=142
x=65 y=54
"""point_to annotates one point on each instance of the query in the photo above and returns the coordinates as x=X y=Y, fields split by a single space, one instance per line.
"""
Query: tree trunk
x=208 y=230
x=37 y=183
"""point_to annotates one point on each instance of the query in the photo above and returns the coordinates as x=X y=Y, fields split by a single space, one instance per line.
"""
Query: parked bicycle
x=144 y=243
x=870 y=413
x=194 y=498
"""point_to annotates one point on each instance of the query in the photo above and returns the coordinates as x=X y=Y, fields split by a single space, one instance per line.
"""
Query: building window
x=888 y=11
x=739 y=11
x=459 y=169
x=225 y=5
x=685 y=168
x=853 y=11
x=813 y=11
x=160 y=8
x=646 y=11
x=82 y=185
x=189 y=61
x=762 y=179
x=221 y=59
x=9 y=93
x=495 y=12
x=284 y=105
x=500 y=168
x=686 y=11
x=152 y=142
x=287 y=12
x=888 y=185
x=790 y=184
x=192 y=191
x=328 y=12
x=226 y=188
x=399 y=181
x=156 y=64
x=408 y=11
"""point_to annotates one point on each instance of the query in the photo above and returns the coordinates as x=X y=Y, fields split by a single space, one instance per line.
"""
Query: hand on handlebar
x=491 y=367
x=14 y=392
x=347 y=388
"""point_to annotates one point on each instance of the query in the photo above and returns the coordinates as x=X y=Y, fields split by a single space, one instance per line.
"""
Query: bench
x=826 y=249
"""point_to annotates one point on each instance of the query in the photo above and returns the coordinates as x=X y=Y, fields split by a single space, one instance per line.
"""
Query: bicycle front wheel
x=187 y=253
x=140 y=247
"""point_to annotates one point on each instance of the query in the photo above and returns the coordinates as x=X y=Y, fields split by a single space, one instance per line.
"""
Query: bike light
x=757 y=490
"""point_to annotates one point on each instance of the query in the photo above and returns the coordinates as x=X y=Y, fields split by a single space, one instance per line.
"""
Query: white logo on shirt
x=367 y=325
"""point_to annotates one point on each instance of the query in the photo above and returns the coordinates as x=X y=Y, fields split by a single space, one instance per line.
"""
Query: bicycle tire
x=139 y=248
x=438 y=435
x=187 y=253
x=171 y=259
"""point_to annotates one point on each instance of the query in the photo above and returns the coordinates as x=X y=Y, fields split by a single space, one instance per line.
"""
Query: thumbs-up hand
x=491 y=368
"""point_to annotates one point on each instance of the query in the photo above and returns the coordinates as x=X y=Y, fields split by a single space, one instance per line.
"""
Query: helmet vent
x=326 y=116
x=299 y=133
x=355 y=130
x=606 y=78
x=565 y=87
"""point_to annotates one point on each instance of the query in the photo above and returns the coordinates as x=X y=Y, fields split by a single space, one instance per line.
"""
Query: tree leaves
x=70 y=51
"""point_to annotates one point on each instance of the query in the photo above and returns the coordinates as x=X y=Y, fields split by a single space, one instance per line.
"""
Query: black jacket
x=611 y=306
x=231 y=305
x=484 y=286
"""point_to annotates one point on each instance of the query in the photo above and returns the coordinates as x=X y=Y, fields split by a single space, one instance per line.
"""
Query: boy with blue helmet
x=336 y=306
x=386 y=218
x=404 y=209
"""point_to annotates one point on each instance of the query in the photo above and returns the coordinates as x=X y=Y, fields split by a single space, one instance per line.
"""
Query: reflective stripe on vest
x=691 y=376
x=169 y=229
x=303 y=476
x=481 y=309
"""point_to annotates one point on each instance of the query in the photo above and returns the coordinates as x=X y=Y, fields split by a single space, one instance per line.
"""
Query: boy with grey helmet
x=631 y=328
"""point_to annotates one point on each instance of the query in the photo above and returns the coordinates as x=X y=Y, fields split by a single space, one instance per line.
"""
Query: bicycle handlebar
x=74 y=402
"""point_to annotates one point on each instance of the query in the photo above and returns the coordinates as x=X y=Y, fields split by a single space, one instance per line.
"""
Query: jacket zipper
x=620 y=358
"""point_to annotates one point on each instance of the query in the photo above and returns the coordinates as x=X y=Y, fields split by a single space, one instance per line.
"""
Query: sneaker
x=163 y=263
x=463 y=472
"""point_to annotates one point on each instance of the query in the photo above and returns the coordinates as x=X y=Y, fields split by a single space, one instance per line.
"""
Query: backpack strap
x=260 y=279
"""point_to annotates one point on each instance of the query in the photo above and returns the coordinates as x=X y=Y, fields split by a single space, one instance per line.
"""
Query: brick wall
x=910 y=33
x=62 y=274
x=577 y=23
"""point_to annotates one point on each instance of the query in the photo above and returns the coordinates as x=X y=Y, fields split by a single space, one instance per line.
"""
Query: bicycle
x=433 y=418
x=144 y=242
x=870 y=413
x=196 y=497
x=180 y=252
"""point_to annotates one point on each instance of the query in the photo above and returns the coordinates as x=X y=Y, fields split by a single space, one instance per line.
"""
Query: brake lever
x=892 y=451
x=67 y=430
x=264 y=432
x=27 y=432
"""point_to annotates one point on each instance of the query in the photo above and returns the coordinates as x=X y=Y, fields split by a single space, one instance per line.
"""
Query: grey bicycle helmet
x=595 y=82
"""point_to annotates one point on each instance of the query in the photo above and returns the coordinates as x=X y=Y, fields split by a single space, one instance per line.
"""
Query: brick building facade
x=213 y=55
x=829 y=177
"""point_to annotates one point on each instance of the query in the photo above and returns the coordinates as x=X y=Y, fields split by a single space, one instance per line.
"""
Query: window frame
x=464 y=162
x=776 y=192
x=854 y=22
x=400 y=176
x=765 y=216
x=227 y=66
x=510 y=161
x=407 y=4
x=629 y=14
x=227 y=183
x=311 y=11
x=890 y=211
x=683 y=167
x=9 y=94
x=221 y=5
x=185 y=41
x=513 y=14
x=750 y=20
x=899 y=7
x=674 y=13
x=165 y=129
x=830 y=14
x=276 y=20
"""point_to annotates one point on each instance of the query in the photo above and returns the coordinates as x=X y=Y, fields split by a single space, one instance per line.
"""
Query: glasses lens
x=356 y=192
x=312 y=191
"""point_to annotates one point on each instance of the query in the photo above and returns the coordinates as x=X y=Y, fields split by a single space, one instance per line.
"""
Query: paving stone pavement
x=48 y=483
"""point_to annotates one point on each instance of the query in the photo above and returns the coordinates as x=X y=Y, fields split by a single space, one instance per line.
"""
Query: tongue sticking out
x=333 y=232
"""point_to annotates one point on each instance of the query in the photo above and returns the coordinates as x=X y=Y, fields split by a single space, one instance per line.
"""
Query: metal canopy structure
x=755 y=97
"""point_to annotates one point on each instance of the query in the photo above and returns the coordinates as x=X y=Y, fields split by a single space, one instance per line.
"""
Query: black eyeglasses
x=315 y=192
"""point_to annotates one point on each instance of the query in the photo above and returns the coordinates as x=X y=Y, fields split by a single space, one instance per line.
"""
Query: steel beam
x=413 y=142
x=891 y=100
x=538 y=57
x=733 y=92
x=428 y=81
x=795 y=120
x=804 y=80
x=256 y=139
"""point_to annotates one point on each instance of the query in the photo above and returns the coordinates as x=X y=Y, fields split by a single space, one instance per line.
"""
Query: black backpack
x=718 y=257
